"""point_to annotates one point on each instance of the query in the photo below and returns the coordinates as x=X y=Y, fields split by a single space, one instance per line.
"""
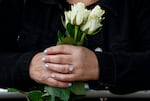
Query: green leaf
x=14 y=90
x=60 y=36
x=63 y=22
x=70 y=30
x=17 y=90
x=79 y=35
x=67 y=40
x=61 y=93
x=78 y=88
x=35 y=95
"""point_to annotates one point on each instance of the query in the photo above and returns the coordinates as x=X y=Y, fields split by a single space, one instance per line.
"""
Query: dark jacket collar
x=106 y=4
x=49 y=1
x=110 y=5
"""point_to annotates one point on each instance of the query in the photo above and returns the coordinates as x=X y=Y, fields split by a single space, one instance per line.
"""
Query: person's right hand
x=40 y=74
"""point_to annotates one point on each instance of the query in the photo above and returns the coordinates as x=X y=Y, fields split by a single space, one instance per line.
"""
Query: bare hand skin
x=86 y=2
x=84 y=61
x=41 y=75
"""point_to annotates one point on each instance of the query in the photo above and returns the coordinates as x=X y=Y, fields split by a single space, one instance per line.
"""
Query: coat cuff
x=25 y=82
x=107 y=72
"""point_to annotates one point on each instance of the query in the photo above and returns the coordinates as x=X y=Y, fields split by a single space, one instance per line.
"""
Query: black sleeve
x=124 y=72
x=14 y=70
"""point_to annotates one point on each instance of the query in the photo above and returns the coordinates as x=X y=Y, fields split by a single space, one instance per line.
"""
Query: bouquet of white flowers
x=78 y=22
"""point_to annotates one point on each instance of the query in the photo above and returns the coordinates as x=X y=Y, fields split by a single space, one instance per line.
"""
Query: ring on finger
x=71 y=68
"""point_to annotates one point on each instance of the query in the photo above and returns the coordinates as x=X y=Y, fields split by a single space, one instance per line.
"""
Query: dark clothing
x=125 y=40
x=125 y=37
x=26 y=28
x=14 y=62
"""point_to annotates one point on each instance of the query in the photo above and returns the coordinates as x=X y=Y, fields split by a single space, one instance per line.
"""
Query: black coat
x=125 y=41
x=124 y=63
x=26 y=28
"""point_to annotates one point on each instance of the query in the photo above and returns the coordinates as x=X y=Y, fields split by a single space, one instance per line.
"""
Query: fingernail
x=46 y=66
x=70 y=84
x=43 y=59
x=45 y=52
x=53 y=76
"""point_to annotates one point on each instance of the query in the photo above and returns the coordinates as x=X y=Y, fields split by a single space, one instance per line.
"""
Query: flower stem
x=83 y=36
x=76 y=32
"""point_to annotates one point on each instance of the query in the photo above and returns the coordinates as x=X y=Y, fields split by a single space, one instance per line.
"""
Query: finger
x=55 y=83
x=60 y=49
x=58 y=59
x=60 y=68
x=46 y=78
x=63 y=77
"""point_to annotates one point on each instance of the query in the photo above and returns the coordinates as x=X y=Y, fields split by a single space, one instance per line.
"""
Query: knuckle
x=47 y=58
x=60 y=59
x=62 y=78
x=63 y=85
x=56 y=84
x=71 y=78
x=59 y=84
x=76 y=77
x=65 y=69
x=62 y=47
x=52 y=82
x=43 y=78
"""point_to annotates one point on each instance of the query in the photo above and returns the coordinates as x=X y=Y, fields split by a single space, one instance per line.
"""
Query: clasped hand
x=60 y=65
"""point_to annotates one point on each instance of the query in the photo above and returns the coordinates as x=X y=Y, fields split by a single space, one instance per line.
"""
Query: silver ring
x=71 y=68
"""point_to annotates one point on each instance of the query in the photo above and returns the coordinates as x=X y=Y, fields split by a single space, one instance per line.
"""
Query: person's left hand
x=61 y=58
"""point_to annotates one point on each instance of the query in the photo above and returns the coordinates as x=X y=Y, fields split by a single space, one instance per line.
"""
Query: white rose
x=67 y=17
x=97 y=12
x=78 y=14
x=94 y=20
x=91 y=26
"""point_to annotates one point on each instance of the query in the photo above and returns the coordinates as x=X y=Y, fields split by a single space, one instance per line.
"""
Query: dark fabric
x=125 y=40
x=26 y=28
x=14 y=62
x=124 y=63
